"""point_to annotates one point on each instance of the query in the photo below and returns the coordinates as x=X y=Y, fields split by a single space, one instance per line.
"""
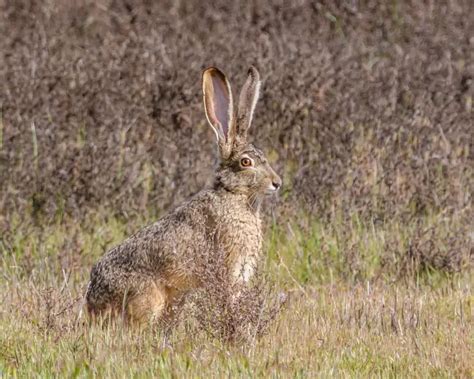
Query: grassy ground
x=357 y=307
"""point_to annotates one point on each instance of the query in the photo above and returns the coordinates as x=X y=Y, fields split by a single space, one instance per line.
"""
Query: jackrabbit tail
x=146 y=276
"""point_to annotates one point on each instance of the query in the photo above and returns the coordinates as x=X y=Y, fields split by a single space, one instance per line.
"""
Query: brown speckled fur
x=147 y=275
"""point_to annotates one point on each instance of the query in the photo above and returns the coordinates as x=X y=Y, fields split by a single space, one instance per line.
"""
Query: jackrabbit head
x=243 y=169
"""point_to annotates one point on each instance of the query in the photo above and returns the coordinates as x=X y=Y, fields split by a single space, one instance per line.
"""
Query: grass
x=357 y=307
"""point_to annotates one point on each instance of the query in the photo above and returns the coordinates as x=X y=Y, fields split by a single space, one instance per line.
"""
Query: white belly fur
x=244 y=268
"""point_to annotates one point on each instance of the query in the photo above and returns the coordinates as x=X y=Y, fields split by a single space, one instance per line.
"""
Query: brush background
x=365 y=106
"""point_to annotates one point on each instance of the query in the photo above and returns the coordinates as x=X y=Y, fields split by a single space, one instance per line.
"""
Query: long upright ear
x=218 y=106
x=247 y=101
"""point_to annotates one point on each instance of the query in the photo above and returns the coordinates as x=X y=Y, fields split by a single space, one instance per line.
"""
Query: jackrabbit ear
x=218 y=105
x=247 y=101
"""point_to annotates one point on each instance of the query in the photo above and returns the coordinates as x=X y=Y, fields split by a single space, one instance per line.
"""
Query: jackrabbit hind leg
x=148 y=305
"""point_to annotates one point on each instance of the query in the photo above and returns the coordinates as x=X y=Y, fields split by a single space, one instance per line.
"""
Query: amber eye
x=246 y=162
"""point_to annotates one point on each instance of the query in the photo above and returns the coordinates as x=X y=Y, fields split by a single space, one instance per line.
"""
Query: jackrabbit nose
x=276 y=183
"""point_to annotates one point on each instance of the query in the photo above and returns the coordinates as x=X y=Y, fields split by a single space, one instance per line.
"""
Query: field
x=347 y=314
x=344 y=316
x=366 y=112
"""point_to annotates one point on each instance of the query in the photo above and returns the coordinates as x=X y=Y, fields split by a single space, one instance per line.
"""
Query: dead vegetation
x=366 y=106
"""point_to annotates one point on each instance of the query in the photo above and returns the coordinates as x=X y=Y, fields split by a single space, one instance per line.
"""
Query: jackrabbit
x=145 y=276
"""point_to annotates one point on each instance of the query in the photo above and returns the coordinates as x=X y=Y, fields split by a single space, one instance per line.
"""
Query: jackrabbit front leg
x=242 y=271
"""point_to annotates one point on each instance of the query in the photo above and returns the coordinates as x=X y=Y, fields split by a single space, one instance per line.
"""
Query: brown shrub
x=231 y=312
x=366 y=106
x=429 y=248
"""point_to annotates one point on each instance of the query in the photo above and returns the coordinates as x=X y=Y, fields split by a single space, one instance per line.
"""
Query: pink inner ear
x=221 y=104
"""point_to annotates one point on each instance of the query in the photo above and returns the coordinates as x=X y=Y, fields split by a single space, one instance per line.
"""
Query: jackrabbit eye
x=246 y=162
